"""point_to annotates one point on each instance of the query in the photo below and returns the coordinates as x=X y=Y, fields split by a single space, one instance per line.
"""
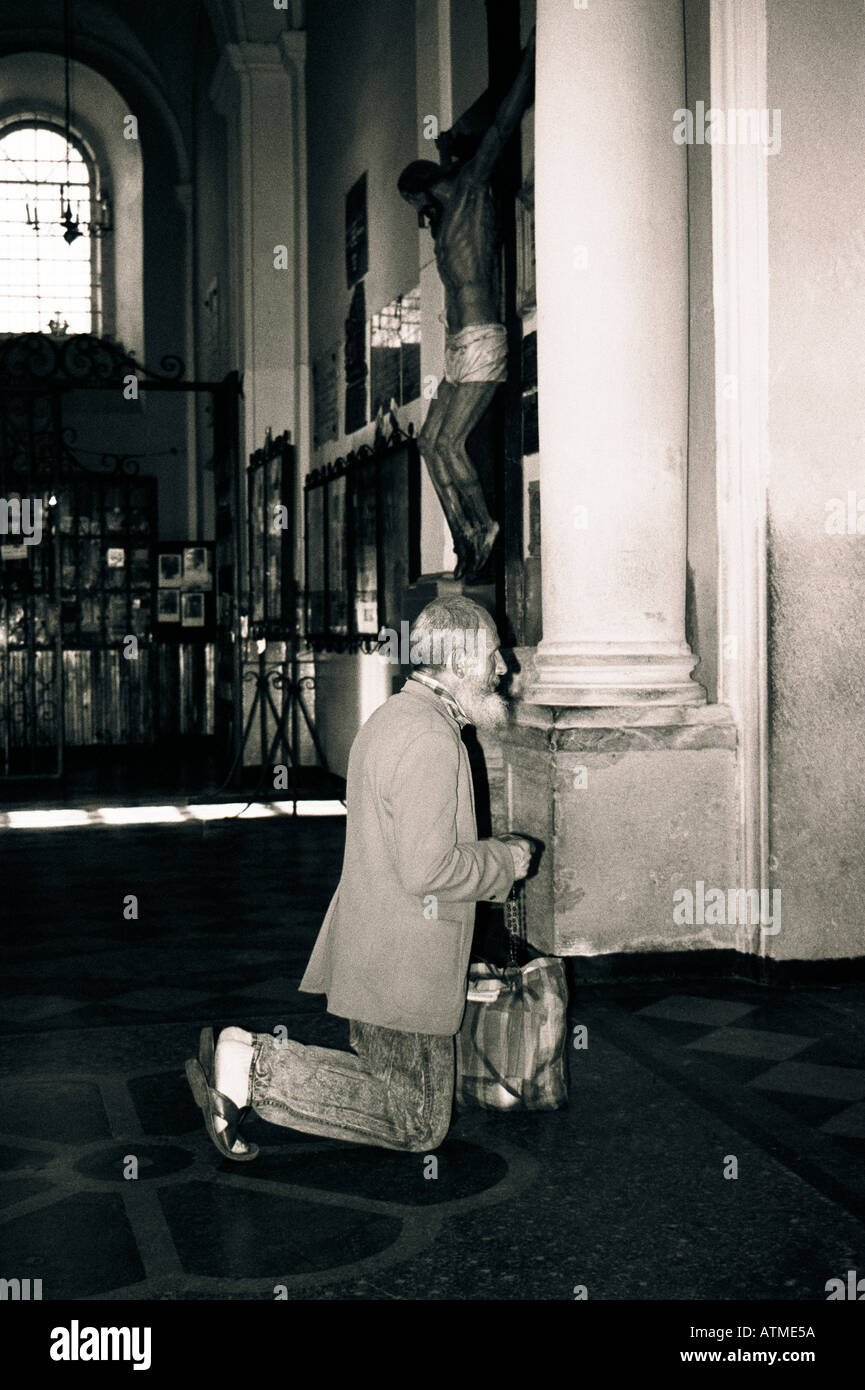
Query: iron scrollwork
x=29 y=360
x=108 y=464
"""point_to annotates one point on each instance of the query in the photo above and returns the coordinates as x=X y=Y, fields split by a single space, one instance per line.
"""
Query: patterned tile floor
x=623 y=1192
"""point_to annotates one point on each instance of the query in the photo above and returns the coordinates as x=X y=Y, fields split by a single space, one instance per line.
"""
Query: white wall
x=817 y=431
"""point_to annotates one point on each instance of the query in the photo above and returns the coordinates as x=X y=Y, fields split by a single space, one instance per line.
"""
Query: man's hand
x=522 y=850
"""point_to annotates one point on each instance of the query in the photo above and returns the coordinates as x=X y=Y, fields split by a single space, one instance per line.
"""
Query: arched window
x=49 y=260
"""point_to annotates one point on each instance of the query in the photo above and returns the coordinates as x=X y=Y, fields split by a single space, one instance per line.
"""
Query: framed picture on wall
x=170 y=573
x=362 y=534
x=197 y=567
x=185 y=601
x=398 y=528
x=192 y=610
x=356 y=235
x=329 y=588
x=325 y=388
x=270 y=513
x=107 y=562
x=255 y=512
x=278 y=535
x=364 y=521
x=315 y=533
x=168 y=606
x=338 y=588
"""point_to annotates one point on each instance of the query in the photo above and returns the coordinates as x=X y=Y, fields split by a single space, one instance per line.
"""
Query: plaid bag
x=510 y=1050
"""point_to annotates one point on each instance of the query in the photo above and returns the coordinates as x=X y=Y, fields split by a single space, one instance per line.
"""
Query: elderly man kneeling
x=392 y=954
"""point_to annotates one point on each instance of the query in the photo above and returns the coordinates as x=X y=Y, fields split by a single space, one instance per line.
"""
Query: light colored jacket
x=394 y=947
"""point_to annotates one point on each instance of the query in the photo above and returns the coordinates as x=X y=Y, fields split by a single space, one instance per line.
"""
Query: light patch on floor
x=64 y=819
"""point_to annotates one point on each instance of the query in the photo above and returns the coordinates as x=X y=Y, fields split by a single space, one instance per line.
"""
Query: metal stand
x=282 y=676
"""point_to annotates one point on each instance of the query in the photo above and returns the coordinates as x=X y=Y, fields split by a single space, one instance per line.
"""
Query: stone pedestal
x=613 y=760
x=631 y=806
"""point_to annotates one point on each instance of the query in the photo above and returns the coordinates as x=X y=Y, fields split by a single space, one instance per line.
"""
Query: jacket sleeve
x=422 y=797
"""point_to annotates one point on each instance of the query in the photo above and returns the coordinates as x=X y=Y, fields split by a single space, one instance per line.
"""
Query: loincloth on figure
x=477 y=353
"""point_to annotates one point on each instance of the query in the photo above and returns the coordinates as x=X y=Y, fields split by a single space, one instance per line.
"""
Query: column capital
x=250 y=60
x=254 y=57
x=221 y=84
x=292 y=48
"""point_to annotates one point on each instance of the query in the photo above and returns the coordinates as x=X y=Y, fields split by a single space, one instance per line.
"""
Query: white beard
x=484 y=708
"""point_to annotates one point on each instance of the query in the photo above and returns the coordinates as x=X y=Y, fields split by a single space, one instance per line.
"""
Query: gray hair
x=448 y=625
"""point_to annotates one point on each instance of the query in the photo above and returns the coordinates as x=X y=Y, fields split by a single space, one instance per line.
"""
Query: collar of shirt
x=444 y=695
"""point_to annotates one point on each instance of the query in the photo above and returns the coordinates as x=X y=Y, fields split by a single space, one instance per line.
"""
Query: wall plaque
x=356 y=240
x=325 y=391
x=355 y=362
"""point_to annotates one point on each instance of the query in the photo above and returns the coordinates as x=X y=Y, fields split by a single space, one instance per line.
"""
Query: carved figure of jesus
x=458 y=205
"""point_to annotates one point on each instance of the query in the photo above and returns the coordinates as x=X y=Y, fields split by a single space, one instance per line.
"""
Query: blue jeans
x=394 y=1090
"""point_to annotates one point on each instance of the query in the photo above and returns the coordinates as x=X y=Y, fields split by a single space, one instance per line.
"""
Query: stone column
x=612 y=291
x=740 y=215
x=184 y=194
x=258 y=87
x=612 y=759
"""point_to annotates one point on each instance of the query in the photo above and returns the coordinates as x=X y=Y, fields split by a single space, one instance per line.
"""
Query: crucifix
x=456 y=201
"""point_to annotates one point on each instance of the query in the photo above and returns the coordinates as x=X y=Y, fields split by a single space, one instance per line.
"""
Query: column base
x=612 y=674
x=631 y=806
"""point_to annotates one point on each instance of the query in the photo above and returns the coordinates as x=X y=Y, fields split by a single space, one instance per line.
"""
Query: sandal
x=217 y=1106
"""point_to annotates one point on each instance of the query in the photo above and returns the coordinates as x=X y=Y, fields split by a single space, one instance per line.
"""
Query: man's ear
x=458 y=663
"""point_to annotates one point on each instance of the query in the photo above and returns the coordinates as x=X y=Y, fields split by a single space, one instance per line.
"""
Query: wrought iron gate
x=37 y=461
x=31 y=663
